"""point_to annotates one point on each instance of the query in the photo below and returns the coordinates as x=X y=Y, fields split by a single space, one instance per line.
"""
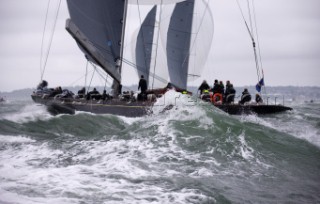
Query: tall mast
x=116 y=86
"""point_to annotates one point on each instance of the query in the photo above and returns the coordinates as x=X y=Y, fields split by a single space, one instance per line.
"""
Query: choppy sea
x=192 y=153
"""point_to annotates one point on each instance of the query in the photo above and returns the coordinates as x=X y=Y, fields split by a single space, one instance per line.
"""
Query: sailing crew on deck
x=258 y=98
x=56 y=91
x=94 y=94
x=215 y=88
x=227 y=91
x=203 y=86
x=105 y=96
x=246 y=97
x=221 y=88
x=230 y=93
x=82 y=92
x=143 y=85
x=227 y=85
x=42 y=85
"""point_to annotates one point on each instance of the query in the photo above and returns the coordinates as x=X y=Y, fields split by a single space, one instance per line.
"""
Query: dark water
x=190 y=154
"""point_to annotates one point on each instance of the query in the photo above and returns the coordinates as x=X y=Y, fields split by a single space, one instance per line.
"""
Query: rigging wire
x=145 y=54
x=85 y=79
x=51 y=39
x=158 y=36
x=91 y=76
x=254 y=43
x=257 y=35
x=141 y=69
x=135 y=66
x=44 y=30
x=250 y=18
x=258 y=41
x=252 y=38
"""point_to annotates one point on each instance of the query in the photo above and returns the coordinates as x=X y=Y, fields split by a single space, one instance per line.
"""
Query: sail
x=97 y=26
x=188 y=39
x=201 y=39
x=144 y=45
x=153 y=2
x=178 y=43
x=148 y=53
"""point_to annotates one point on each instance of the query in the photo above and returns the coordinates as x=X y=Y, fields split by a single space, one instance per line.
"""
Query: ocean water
x=192 y=153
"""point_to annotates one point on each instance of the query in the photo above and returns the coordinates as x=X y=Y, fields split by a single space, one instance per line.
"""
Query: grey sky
x=289 y=33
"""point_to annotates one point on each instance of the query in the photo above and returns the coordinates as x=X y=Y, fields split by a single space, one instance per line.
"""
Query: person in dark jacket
x=94 y=94
x=82 y=92
x=56 y=91
x=258 y=99
x=42 y=85
x=216 y=87
x=246 y=97
x=143 y=85
x=227 y=86
x=221 y=88
x=203 y=86
x=230 y=94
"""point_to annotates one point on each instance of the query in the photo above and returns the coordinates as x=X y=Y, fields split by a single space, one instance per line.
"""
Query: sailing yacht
x=99 y=30
x=171 y=48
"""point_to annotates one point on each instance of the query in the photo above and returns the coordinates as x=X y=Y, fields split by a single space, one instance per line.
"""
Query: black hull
x=237 y=109
x=114 y=106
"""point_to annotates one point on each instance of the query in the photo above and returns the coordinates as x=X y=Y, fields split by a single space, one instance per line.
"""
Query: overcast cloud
x=289 y=33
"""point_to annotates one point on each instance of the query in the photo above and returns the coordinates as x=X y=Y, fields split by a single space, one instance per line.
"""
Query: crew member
x=216 y=87
x=82 y=92
x=221 y=88
x=246 y=97
x=203 y=86
x=56 y=91
x=230 y=94
x=43 y=85
x=258 y=98
x=143 y=85
x=94 y=94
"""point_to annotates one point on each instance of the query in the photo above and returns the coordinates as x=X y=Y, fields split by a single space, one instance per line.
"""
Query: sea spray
x=188 y=153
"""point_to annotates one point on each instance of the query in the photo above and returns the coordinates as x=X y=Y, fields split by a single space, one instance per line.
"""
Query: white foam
x=245 y=149
x=184 y=108
x=293 y=123
x=115 y=170
x=15 y=139
x=130 y=121
x=28 y=113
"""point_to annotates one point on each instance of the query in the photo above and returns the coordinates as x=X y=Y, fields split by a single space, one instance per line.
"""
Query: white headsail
x=187 y=40
x=149 y=53
x=145 y=47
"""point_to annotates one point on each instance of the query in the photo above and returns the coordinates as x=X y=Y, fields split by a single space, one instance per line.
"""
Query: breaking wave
x=189 y=152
